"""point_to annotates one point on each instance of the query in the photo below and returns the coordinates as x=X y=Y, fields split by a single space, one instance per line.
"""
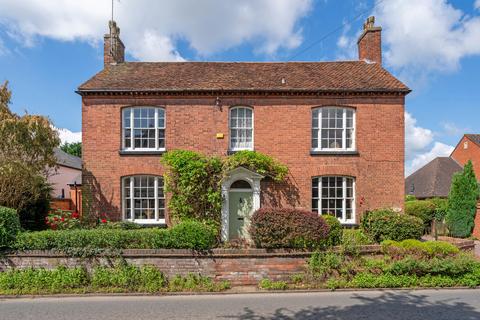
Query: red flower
x=55 y=218
x=104 y=220
x=75 y=215
x=63 y=219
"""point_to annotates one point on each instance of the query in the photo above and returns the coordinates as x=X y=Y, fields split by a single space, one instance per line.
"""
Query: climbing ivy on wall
x=194 y=181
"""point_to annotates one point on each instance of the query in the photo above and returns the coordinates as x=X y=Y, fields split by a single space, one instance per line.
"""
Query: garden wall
x=239 y=266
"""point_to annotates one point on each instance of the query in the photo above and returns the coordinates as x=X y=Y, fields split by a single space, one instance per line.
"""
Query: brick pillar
x=476 y=228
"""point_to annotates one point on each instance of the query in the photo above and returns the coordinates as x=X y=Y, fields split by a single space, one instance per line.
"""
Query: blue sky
x=47 y=49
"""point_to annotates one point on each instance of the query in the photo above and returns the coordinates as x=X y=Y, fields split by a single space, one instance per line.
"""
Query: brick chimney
x=370 y=42
x=113 y=48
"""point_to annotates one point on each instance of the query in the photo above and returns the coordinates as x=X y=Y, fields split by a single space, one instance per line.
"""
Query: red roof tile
x=244 y=76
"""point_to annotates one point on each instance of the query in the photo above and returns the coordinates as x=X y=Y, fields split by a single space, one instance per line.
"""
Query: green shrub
x=441 y=207
x=123 y=225
x=419 y=248
x=195 y=282
x=410 y=197
x=9 y=226
x=187 y=235
x=352 y=239
x=33 y=281
x=323 y=264
x=120 y=278
x=462 y=202
x=385 y=224
x=268 y=284
x=335 y=230
x=193 y=235
x=423 y=209
x=288 y=228
x=129 y=277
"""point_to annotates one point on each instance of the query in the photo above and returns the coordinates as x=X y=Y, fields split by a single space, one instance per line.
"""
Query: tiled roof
x=356 y=76
x=67 y=160
x=433 y=179
x=474 y=137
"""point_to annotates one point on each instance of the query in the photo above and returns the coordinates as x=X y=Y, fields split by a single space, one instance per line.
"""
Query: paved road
x=390 y=305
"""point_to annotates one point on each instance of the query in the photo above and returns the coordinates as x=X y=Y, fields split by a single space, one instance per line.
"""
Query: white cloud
x=451 y=129
x=428 y=36
x=420 y=147
x=416 y=137
x=477 y=4
x=69 y=136
x=438 y=150
x=150 y=29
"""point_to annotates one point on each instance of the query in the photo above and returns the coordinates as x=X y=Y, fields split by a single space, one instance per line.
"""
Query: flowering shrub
x=288 y=228
x=63 y=220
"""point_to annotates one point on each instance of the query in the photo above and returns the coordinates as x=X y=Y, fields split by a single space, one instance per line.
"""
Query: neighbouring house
x=338 y=126
x=66 y=180
x=435 y=178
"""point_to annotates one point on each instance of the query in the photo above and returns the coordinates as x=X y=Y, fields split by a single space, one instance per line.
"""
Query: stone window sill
x=140 y=153
x=334 y=153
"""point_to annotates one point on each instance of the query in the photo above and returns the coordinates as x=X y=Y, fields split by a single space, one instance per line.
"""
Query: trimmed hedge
x=186 y=235
x=428 y=249
x=9 y=226
x=386 y=224
x=288 y=228
x=422 y=209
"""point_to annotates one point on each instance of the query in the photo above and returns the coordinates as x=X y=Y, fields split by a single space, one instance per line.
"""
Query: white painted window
x=334 y=195
x=333 y=129
x=143 y=129
x=143 y=199
x=241 y=128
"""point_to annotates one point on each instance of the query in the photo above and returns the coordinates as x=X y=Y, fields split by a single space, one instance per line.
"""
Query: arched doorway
x=241 y=197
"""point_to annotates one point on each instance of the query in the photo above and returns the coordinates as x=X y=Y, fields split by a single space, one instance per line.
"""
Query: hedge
x=385 y=224
x=288 y=228
x=186 y=235
x=422 y=209
x=9 y=226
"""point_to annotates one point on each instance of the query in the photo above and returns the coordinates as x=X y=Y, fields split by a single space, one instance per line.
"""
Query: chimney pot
x=370 y=42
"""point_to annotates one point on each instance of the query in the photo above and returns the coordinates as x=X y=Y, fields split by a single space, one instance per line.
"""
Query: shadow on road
x=388 y=306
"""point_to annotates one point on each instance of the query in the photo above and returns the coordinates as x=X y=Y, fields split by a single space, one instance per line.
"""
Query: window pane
x=333 y=128
x=241 y=128
x=334 y=194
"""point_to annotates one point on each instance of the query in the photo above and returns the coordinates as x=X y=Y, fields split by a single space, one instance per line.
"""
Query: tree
x=26 y=154
x=74 y=148
x=462 y=202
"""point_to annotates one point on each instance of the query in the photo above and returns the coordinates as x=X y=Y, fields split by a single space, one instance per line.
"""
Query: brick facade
x=466 y=150
x=282 y=129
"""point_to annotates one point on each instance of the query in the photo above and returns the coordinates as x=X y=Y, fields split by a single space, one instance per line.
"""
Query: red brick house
x=435 y=178
x=338 y=126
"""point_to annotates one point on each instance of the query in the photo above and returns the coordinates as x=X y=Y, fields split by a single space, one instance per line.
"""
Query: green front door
x=240 y=211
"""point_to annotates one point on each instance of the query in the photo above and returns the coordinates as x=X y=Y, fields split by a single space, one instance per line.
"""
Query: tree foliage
x=26 y=154
x=74 y=148
x=462 y=202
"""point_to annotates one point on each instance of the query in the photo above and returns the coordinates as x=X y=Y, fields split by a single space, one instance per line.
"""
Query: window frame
x=132 y=147
x=230 y=147
x=344 y=129
x=156 y=219
x=344 y=198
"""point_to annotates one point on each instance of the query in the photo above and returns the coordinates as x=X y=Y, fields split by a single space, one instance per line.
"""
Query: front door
x=240 y=211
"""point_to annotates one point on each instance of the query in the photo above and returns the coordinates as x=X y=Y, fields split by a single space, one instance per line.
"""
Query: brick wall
x=476 y=228
x=472 y=152
x=238 y=266
x=282 y=129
